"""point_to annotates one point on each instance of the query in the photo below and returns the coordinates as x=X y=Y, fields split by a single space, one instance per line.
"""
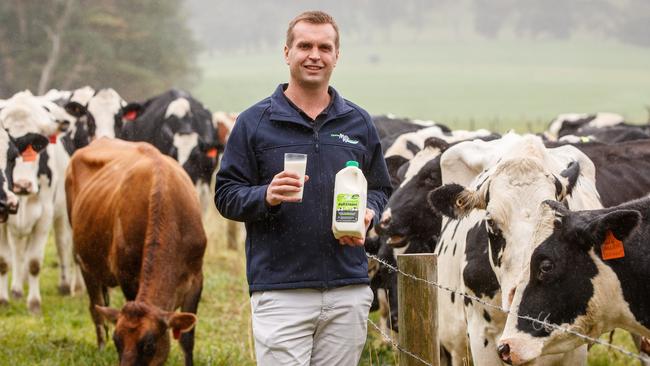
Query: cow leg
x=63 y=242
x=96 y=294
x=4 y=274
x=191 y=305
x=34 y=262
x=17 y=245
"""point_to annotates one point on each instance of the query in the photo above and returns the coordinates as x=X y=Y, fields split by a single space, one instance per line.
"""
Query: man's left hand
x=353 y=241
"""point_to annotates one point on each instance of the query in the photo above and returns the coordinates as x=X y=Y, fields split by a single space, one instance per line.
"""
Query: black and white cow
x=407 y=145
x=36 y=174
x=390 y=127
x=611 y=135
x=98 y=115
x=181 y=127
x=588 y=272
x=570 y=123
x=495 y=218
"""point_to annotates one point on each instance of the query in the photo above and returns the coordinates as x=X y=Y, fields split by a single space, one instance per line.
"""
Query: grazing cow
x=588 y=272
x=569 y=123
x=37 y=176
x=504 y=199
x=137 y=224
x=181 y=127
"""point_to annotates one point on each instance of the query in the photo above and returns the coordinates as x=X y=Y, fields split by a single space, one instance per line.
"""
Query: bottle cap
x=352 y=163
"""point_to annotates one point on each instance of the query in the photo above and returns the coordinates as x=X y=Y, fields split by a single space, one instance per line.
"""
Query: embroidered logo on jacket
x=345 y=138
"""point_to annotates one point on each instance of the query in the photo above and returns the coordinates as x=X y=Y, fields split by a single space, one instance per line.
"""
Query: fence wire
x=541 y=323
x=394 y=344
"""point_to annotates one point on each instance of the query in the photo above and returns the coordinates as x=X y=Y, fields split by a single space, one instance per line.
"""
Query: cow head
x=567 y=283
x=28 y=123
x=510 y=193
x=24 y=170
x=101 y=115
x=407 y=215
x=141 y=333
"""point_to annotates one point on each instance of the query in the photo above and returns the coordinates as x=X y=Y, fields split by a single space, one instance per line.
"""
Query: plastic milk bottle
x=350 y=195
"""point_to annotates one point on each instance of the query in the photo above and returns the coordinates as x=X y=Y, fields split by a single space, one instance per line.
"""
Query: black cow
x=181 y=127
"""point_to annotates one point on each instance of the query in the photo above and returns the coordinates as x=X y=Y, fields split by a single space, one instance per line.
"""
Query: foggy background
x=468 y=63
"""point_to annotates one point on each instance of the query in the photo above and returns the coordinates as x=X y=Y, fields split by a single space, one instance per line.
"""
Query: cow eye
x=545 y=268
x=492 y=226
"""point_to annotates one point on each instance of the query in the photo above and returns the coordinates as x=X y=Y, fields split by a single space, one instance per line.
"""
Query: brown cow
x=136 y=223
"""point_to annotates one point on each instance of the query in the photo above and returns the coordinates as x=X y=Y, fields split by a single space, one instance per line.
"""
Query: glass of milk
x=296 y=163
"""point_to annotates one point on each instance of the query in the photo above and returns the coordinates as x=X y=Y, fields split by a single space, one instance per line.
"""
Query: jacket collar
x=281 y=110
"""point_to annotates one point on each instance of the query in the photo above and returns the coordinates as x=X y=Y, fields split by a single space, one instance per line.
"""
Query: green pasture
x=64 y=334
x=469 y=84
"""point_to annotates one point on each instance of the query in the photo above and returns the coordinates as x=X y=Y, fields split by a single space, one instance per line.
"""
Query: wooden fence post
x=418 y=310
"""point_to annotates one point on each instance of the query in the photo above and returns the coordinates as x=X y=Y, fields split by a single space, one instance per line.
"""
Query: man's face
x=312 y=55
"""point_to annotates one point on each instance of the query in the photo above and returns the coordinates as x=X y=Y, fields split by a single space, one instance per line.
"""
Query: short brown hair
x=313 y=17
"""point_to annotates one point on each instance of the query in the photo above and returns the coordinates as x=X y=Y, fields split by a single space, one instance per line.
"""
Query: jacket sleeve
x=237 y=195
x=379 y=187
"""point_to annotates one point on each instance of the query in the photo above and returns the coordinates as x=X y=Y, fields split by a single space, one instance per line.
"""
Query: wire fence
x=541 y=323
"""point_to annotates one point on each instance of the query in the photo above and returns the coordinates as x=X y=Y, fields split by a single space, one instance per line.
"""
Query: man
x=309 y=292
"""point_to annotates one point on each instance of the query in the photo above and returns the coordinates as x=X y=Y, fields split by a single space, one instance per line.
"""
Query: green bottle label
x=347 y=207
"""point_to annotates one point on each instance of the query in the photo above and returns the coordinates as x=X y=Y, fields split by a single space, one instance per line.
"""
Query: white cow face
x=106 y=109
x=511 y=192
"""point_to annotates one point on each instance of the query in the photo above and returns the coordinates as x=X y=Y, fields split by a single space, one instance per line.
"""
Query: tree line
x=137 y=47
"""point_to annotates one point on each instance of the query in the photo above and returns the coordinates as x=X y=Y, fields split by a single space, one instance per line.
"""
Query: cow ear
x=455 y=201
x=180 y=322
x=132 y=111
x=621 y=223
x=108 y=313
x=75 y=109
x=567 y=180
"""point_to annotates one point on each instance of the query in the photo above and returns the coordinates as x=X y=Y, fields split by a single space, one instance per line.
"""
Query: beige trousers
x=309 y=326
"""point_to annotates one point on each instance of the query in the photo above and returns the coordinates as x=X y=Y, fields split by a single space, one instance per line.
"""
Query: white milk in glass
x=350 y=195
x=296 y=163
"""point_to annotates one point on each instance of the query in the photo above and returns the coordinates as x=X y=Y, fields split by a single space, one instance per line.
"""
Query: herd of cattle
x=133 y=210
x=552 y=227
x=527 y=223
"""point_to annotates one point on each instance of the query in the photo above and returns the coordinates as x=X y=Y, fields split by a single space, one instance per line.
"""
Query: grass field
x=493 y=84
x=64 y=334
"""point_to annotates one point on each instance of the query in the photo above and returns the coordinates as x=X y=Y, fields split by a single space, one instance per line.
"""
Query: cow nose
x=504 y=353
x=22 y=187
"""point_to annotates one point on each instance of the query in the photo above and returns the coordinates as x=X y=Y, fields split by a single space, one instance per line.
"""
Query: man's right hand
x=282 y=184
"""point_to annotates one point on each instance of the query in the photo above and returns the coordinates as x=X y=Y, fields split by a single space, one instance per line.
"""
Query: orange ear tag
x=131 y=115
x=212 y=153
x=611 y=248
x=29 y=154
x=177 y=333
